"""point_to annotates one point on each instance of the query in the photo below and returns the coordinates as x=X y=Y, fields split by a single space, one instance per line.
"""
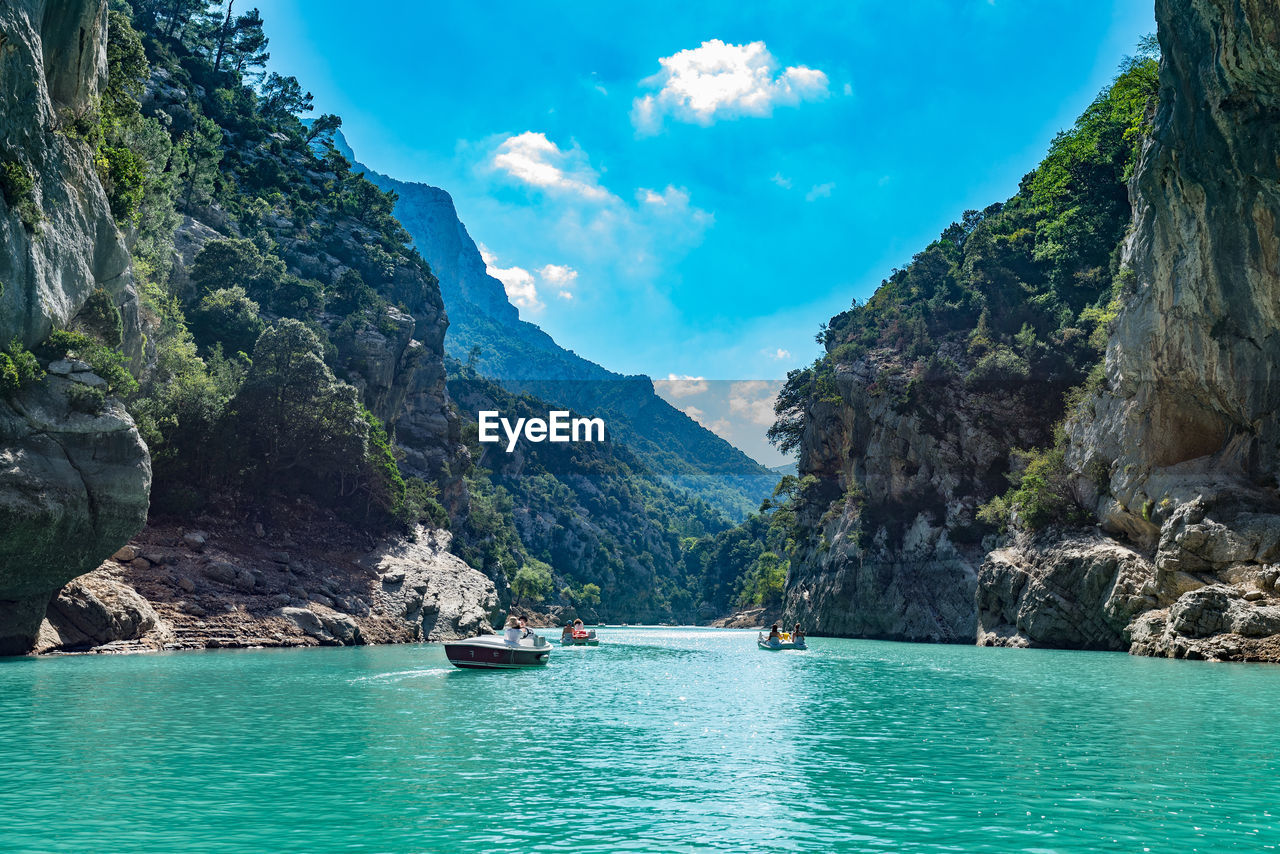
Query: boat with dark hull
x=494 y=652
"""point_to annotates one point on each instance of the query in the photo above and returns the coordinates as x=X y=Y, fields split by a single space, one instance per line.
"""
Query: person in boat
x=512 y=632
x=797 y=636
x=525 y=631
x=579 y=630
x=774 y=635
x=567 y=634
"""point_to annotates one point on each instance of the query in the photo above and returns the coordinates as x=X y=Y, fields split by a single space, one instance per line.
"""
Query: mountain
x=522 y=357
x=592 y=513
x=1057 y=426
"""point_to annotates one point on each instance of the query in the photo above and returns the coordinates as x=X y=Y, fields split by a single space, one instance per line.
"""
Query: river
x=658 y=740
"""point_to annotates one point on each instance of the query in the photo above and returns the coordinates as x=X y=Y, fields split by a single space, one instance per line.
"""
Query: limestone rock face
x=73 y=489
x=1077 y=593
x=893 y=552
x=423 y=584
x=1194 y=359
x=96 y=609
x=53 y=64
x=1188 y=429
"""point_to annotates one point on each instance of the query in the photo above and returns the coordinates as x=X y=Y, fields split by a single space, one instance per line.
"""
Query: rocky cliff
x=1187 y=429
x=73 y=486
x=1173 y=451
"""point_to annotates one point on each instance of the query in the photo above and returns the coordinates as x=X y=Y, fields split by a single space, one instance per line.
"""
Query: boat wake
x=401 y=675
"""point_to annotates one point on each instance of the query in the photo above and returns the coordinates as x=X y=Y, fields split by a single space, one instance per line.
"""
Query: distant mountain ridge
x=522 y=357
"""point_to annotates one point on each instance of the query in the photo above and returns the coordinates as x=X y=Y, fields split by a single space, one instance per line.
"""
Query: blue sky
x=689 y=189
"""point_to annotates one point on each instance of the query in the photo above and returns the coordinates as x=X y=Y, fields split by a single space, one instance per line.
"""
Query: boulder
x=422 y=584
x=74 y=488
x=95 y=609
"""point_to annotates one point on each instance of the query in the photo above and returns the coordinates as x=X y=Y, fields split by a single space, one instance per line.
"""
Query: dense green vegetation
x=248 y=393
x=273 y=279
x=746 y=566
x=1013 y=301
x=589 y=520
x=18 y=368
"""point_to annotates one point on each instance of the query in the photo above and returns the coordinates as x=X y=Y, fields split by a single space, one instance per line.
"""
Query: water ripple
x=658 y=740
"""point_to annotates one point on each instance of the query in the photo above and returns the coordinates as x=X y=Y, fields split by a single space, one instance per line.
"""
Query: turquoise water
x=658 y=740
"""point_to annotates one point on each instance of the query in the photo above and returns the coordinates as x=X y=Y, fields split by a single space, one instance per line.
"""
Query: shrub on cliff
x=1042 y=495
x=105 y=362
x=18 y=188
x=100 y=317
x=18 y=368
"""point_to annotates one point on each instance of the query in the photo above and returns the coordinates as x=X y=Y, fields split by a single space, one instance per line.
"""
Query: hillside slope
x=523 y=357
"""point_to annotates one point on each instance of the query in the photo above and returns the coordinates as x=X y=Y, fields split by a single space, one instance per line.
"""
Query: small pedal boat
x=772 y=645
x=489 y=652
x=580 y=639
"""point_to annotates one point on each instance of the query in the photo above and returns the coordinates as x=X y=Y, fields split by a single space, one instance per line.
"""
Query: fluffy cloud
x=781 y=181
x=819 y=191
x=753 y=400
x=778 y=355
x=560 y=276
x=718 y=80
x=671 y=197
x=679 y=385
x=518 y=282
x=533 y=159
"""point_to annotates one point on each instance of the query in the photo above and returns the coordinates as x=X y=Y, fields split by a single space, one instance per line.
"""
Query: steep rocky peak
x=1193 y=360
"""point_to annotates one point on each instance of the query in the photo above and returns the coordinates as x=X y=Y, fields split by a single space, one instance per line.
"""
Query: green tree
x=283 y=98
x=532 y=582
x=323 y=127
x=234 y=262
x=228 y=317
x=298 y=423
x=127 y=66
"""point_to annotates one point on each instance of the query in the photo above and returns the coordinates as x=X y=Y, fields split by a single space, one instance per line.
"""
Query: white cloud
x=537 y=161
x=517 y=281
x=819 y=191
x=848 y=89
x=560 y=276
x=753 y=400
x=671 y=197
x=784 y=183
x=718 y=80
x=778 y=355
x=680 y=385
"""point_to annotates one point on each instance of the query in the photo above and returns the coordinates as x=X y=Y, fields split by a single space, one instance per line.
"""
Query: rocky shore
x=222 y=586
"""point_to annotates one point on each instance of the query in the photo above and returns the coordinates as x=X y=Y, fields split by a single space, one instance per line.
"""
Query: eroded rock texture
x=1189 y=430
x=73 y=487
x=1077 y=593
x=1179 y=454
x=901 y=469
x=53 y=64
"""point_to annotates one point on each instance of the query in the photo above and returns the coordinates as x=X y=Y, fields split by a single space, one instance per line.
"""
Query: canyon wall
x=73 y=486
x=1174 y=455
